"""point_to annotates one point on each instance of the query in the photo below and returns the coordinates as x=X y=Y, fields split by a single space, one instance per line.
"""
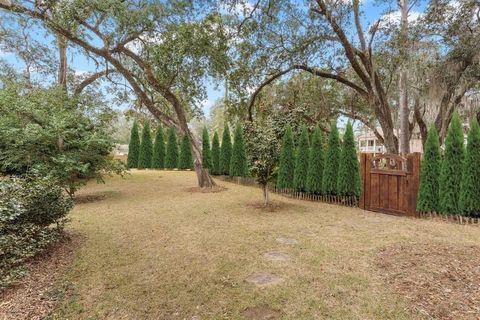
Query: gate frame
x=411 y=171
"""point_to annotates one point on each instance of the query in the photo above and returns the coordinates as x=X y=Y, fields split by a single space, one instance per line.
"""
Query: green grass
x=154 y=250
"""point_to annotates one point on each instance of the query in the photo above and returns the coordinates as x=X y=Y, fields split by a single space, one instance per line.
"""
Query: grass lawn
x=155 y=249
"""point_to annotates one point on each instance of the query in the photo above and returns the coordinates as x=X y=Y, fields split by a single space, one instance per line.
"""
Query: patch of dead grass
x=273 y=206
x=214 y=189
x=442 y=281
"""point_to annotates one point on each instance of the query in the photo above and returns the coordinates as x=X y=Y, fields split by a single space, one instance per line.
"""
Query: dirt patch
x=260 y=313
x=214 y=189
x=263 y=279
x=89 y=198
x=273 y=206
x=441 y=281
x=35 y=295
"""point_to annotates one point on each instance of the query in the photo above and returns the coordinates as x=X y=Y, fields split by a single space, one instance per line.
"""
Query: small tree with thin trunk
x=332 y=159
x=348 y=183
x=287 y=161
x=315 y=164
x=158 y=161
x=428 y=193
x=301 y=163
x=171 y=158
x=451 y=171
x=238 y=163
x=146 y=148
x=206 y=153
x=225 y=151
x=133 y=147
x=470 y=185
x=185 y=161
x=215 y=154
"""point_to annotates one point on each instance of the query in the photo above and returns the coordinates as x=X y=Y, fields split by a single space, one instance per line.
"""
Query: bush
x=315 y=164
x=348 y=183
x=225 y=151
x=215 y=154
x=287 y=161
x=158 y=160
x=450 y=174
x=301 y=163
x=470 y=185
x=28 y=208
x=185 y=161
x=330 y=174
x=133 y=147
x=146 y=148
x=238 y=163
x=206 y=153
x=430 y=170
x=171 y=159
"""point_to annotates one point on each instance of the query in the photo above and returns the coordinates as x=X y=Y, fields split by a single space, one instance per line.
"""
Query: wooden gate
x=390 y=183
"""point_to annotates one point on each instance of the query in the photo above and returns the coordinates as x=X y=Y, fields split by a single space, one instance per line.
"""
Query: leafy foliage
x=206 y=153
x=185 y=161
x=348 y=183
x=330 y=174
x=287 y=161
x=428 y=198
x=225 y=151
x=215 y=154
x=315 y=164
x=146 y=152
x=133 y=147
x=238 y=163
x=171 y=159
x=158 y=160
x=470 y=185
x=301 y=164
x=450 y=174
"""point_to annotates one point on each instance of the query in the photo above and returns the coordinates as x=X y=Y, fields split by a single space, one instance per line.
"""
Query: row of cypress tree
x=225 y=159
x=143 y=154
x=451 y=185
x=310 y=168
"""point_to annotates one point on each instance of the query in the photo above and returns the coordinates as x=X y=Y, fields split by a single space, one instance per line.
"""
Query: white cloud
x=393 y=18
x=137 y=44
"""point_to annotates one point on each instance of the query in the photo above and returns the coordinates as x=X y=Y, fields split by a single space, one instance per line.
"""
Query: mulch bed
x=440 y=280
x=35 y=295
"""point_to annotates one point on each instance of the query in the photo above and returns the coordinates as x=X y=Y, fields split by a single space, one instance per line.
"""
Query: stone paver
x=276 y=256
x=263 y=279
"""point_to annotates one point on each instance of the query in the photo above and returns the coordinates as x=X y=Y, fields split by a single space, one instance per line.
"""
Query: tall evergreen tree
x=146 y=148
x=133 y=147
x=215 y=154
x=225 y=151
x=315 y=164
x=158 y=161
x=185 y=161
x=450 y=173
x=428 y=200
x=470 y=185
x=238 y=163
x=301 y=162
x=287 y=161
x=330 y=173
x=206 y=153
x=348 y=182
x=171 y=158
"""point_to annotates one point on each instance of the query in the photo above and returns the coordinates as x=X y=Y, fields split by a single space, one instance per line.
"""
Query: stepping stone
x=276 y=256
x=260 y=313
x=263 y=279
x=288 y=241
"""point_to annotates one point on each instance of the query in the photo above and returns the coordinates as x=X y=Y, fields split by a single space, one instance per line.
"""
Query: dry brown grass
x=154 y=251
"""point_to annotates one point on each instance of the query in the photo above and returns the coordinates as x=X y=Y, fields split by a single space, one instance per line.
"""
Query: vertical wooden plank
x=413 y=166
x=373 y=199
x=368 y=182
x=393 y=193
x=384 y=192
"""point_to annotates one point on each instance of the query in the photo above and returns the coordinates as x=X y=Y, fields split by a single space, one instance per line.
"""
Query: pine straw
x=441 y=281
x=35 y=295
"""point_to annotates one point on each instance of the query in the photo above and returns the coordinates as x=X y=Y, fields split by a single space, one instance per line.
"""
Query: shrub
x=185 y=161
x=133 y=147
x=206 y=153
x=287 y=161
x=348 y=183
x=470 y=185
x=158 y=160
x=332 y=159
x=450 y=174
x=301 y=163
x=225 y=151
x=27 y=210
x=215 y=154
x=146 y=152
x=171 y=158
x=315 y=164
x=430 y=170
x=238 y=163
